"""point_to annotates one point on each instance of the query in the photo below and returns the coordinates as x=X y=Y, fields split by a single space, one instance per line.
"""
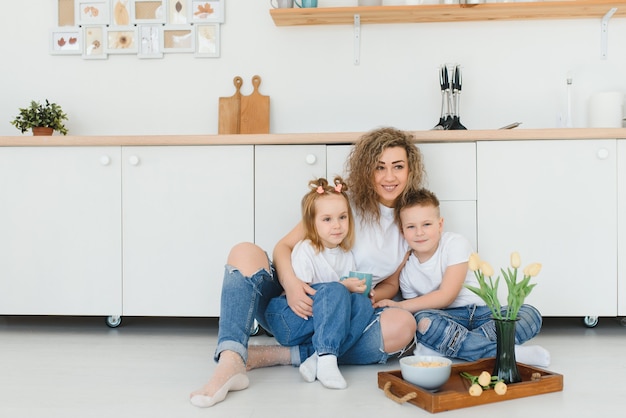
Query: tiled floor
x=69 y=367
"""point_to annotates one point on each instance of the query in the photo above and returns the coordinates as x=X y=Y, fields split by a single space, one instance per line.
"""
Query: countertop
x=310 y=138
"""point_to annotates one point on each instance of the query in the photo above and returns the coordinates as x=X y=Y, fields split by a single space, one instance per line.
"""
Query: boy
x=451 y=320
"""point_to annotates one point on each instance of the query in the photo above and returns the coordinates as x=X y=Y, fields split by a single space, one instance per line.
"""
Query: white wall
x=513 y=71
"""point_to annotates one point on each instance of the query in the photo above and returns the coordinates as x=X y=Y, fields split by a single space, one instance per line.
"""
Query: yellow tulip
x=515 y=260
x=474 y=262
x=484 y=379
x=475 y=390
x=486 y=268
x=532 y=269
x=500 y=388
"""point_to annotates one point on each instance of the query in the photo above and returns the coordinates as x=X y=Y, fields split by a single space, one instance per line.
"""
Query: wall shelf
x=572 y=9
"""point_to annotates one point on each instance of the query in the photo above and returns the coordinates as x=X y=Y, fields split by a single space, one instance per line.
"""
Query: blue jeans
x=468 y=332
x=245 y=299
x=339 y=318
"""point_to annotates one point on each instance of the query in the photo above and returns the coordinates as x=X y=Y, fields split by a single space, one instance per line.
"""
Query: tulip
x=500 y=388
x=475 y=390
x=484 y=379
x=532 y=269
x=474 y=262
x=486 y=268
x=515 y=260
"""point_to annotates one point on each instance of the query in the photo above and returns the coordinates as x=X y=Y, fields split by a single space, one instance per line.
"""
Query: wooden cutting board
x=230 y=110
x=255 y=111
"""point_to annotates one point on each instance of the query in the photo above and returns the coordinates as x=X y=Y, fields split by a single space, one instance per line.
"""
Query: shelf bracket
x=357 y=39
x=605 y=32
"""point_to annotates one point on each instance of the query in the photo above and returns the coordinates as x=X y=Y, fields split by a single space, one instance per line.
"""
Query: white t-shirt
x=314 y=267
x=417 y=279
x=380 y=247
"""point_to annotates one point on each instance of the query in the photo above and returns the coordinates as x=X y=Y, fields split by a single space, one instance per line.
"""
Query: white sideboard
x=144 y=230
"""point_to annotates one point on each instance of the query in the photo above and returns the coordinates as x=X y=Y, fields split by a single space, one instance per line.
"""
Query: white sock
x=422 y=350
x=532 y=354
x=328 y=372
x=238 y=382
x=308 y=368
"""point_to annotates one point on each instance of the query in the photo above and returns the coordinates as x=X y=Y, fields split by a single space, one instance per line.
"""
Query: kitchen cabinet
x=555 y=202
x=281 y=177
x=449 y=12
x=451 y=174
x=621 y=228
x=60 y=235
x=184 y=207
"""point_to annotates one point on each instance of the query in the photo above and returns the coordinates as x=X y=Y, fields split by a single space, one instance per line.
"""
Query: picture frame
x=120 y=12
x=66 y=40
x=92 y=12
x=207 y=11
x=150 y=41
x=65 y=12
x=207 y=40
x=178 y=12
x=121 y=40
x=178 y=38
x=147 y=11
x=93 y=42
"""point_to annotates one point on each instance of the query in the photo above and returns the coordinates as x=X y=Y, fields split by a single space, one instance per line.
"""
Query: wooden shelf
x=572 y=9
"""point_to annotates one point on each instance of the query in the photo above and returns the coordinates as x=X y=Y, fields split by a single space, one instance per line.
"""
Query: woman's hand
x=298 y=295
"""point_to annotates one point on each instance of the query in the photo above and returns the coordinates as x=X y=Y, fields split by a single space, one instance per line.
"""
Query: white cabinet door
x=555 y=203
x=60 y=238
x=621 y=224
x=450 y=173
x=281 y=177
x=183 y=209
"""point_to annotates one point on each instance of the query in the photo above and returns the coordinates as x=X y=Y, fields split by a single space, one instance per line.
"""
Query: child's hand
x=354 y=284
x=386 y=303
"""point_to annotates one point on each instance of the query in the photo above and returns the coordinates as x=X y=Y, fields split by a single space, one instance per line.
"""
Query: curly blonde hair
x=364 y=158
x=318 y=189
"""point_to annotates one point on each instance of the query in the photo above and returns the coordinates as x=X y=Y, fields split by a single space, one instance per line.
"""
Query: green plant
x=488 y=290
x=41 y=115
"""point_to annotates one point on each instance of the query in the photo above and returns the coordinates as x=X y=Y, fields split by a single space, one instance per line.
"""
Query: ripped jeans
x=468 y=332
x=245 y=299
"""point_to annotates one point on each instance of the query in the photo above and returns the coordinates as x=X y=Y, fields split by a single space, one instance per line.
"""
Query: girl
x=321 y=260
x=383 y=165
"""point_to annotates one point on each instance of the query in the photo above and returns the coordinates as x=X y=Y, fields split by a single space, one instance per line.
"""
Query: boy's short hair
x=420 y=197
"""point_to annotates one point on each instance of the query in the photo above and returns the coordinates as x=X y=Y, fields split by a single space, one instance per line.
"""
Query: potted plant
x=43 y=119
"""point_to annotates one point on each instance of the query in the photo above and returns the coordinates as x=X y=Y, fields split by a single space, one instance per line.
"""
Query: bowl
x=427 y=372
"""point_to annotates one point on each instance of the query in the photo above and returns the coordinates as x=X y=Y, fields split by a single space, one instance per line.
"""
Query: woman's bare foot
x=229 y=375
x=267 y=355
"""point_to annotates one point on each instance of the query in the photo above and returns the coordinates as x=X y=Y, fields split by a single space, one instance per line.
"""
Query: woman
x=383 y=165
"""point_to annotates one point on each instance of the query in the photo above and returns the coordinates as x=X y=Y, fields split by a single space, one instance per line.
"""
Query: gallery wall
x=513 y=71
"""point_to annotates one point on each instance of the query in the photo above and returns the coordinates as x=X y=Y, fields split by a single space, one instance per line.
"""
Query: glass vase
x=506 y=366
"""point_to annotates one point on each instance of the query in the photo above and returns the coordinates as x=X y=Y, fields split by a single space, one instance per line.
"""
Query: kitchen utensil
x=456 y=93
x=230 y=110
x=442 y=117
x=448 y=98
x=255 y=111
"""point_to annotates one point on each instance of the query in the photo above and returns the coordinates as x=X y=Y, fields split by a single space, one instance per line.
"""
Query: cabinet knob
x=603 y=153
x=311 y=159
x=105 y=160
x=133 y=160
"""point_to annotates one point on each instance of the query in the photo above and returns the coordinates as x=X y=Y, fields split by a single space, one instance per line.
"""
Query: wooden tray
x=454 y=393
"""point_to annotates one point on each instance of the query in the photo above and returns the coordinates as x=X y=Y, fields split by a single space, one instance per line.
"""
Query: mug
x=361 y=275
x=306 y=3
x=282 y=4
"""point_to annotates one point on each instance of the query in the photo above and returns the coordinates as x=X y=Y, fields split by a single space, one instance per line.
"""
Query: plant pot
x=42 y=131
x=506 y=366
